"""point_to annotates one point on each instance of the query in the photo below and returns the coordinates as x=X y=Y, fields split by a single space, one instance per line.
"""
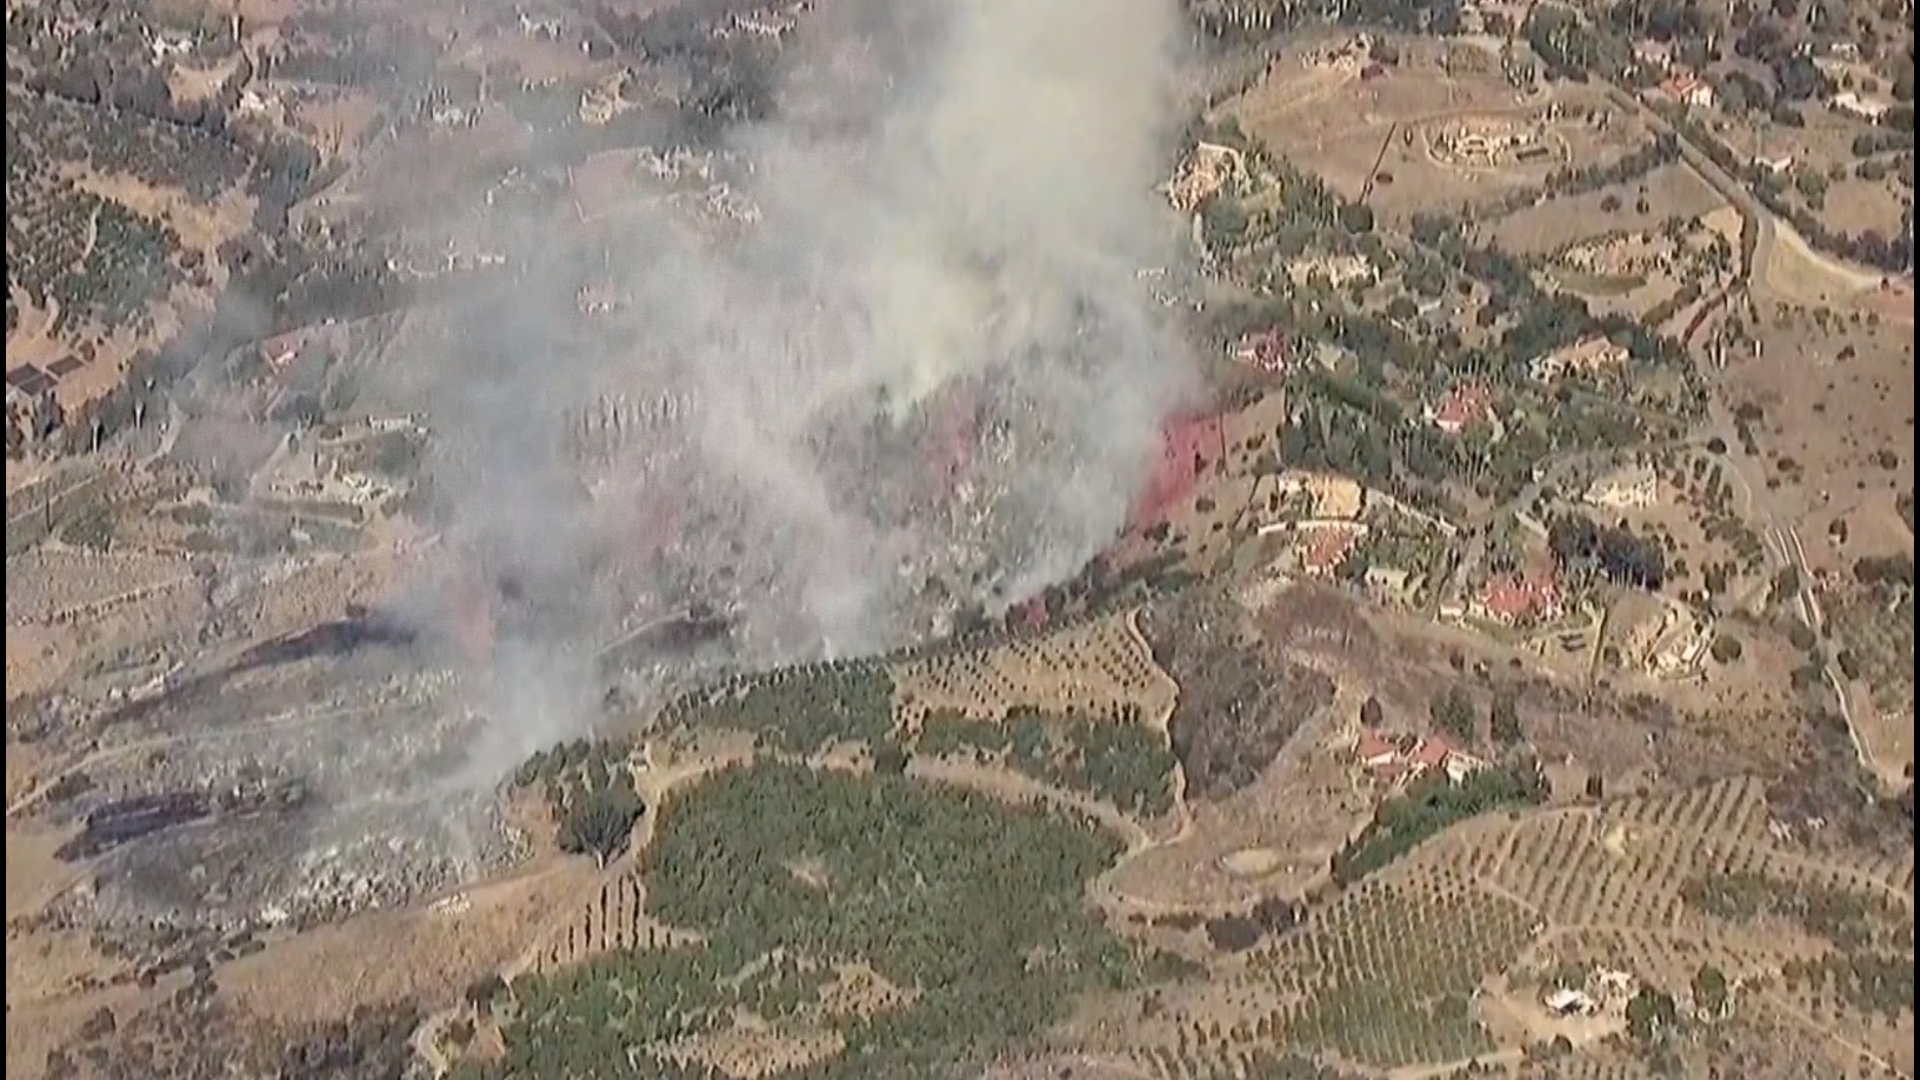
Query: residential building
x=281 y=350
x=1208 y=169
x=1589 y=355
x=1438 y=752
x=1332 y=496
x=1266 y=351
x=1626 y=489
x=1338 y=270
x=1374 y=750
x=1510 y=601
x=1325 y=545
x=1463 y=406
x=1689 y=90
x=1871 y=110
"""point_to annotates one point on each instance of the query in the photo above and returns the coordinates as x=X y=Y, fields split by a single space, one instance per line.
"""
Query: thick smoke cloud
x=955 y=200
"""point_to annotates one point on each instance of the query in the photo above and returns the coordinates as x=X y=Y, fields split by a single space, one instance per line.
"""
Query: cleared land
x=1641 y=205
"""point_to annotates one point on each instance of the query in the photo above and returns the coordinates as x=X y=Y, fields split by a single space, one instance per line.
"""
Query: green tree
x=889 y=758
x=1651 y=1014
x=599 y=822
x=1503 y=719
x=1224 y=220
x=1453 y=713
x=1710 y=990
x=1372 y=715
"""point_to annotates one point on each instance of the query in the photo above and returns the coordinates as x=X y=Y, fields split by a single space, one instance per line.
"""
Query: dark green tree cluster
x=1116 y=759
x=799 y=710
x=975 y=904
x=1429 y=806
x=1454 y=713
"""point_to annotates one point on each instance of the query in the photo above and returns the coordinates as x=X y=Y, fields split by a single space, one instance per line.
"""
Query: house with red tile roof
x=1432 y=753
x=1439 y=752
x=1375 y=751
x=1687 y=88
x=1464 y=405
x=1327 y=545
x=1511 y=600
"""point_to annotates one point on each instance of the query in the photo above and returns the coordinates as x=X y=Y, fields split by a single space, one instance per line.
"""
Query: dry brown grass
x=412 y=955
x=338 y=123
x=1836 y=437
x=1796 y=273
x=1670 y=191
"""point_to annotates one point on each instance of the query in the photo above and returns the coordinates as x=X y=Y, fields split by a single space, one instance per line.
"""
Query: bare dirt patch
x=395 y=956
x=1854 y=206
x=37 y=656
x=34 y=875
x=1831 y=405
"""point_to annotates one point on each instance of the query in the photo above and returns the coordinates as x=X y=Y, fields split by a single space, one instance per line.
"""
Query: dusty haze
x=955 y=200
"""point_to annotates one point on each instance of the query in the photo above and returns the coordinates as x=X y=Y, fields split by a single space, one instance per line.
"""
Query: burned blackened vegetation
x=336 y=638
x=1238 y=703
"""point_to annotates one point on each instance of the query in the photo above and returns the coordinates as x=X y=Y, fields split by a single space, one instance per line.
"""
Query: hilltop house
x=1596 y=353
x=1394 y=762
x=1463 y=406
x=1689 y=90
x=1510 y=601
x=1872 y=110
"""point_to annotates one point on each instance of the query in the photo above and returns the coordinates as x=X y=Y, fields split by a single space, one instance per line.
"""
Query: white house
x=1627 y=489
x=1689 y=90
x=1570 y=1002
x=1871 y=110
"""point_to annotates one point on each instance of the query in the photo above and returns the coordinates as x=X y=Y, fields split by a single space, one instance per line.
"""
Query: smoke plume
x=891 y=344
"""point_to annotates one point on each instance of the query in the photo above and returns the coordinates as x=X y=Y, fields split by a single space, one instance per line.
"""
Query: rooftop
x=1462 y=406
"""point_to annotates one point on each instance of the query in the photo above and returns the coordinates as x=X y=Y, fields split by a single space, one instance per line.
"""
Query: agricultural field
x=1098 y=666
x=779 y=969
x=1444 y=955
